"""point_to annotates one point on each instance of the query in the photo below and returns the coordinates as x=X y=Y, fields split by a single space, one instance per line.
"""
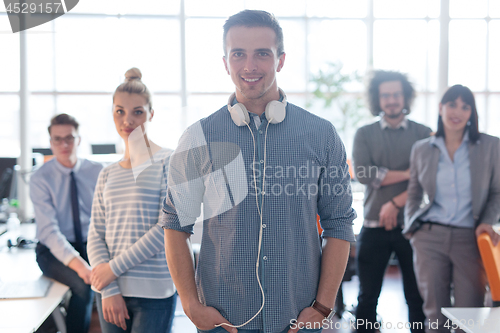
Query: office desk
x=475 y=320
x=16 y=264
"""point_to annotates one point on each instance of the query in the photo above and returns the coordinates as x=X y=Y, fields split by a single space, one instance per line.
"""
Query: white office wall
x=76 y=61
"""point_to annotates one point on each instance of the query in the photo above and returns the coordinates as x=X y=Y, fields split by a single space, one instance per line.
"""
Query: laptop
x=25 y=289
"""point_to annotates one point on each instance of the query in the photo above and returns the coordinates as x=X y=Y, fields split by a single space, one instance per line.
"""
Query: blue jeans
x=147 y=315
x=222 y=330
x=79 y=310
x=374 y=249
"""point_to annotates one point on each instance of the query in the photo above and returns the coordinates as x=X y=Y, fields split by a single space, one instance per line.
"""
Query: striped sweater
x=124 y=229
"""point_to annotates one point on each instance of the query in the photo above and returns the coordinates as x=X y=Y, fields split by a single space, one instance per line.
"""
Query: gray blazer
x=484 y=158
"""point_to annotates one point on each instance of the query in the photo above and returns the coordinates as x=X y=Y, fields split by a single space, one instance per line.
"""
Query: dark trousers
x=79 y=310
x=147 y=315
x=374 y=249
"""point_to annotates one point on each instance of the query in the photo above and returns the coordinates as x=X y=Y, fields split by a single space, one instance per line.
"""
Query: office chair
x=491 y=260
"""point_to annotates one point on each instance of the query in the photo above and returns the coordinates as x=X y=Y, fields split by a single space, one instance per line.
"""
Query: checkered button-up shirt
x=217 y=164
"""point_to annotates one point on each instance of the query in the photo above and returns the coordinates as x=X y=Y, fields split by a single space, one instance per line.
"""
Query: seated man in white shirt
x=62 y=191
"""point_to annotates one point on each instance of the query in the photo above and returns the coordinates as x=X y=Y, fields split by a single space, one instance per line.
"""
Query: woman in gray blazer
x=453 y=196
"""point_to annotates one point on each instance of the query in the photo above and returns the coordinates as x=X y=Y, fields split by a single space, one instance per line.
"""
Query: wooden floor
x=392 y=307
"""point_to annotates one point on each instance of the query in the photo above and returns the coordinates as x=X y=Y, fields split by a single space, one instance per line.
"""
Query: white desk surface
x=475 y=320
x=24 y=315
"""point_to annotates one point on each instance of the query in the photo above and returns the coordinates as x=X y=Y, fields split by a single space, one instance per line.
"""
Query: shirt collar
x=435 y=140
x=236 y=101
x=403 y=124
x=257 y=119
x=66 y=170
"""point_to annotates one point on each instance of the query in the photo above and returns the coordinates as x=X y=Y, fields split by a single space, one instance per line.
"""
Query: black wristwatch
x=324 y=310
x=395 y=205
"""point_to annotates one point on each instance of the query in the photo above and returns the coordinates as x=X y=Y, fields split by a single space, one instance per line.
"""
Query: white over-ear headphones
x=275 y=111
x=275 y=114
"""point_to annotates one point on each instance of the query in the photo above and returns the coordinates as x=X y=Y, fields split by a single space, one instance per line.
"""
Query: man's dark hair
x=379 y=77
x=63 y=119
x=468 y=98
x=255 y=18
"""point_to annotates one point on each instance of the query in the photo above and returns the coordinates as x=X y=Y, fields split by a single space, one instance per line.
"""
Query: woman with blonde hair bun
x=135 y=292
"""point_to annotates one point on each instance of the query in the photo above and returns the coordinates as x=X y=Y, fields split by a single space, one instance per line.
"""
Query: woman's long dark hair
x=468 y=98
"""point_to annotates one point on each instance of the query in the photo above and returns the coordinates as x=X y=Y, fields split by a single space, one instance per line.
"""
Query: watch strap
x=324 y=310
x=395 y=205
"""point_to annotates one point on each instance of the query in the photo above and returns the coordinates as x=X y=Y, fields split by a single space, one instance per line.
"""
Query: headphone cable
x=260 y=211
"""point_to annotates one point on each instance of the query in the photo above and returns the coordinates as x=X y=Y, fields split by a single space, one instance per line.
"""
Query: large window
x=76 y=61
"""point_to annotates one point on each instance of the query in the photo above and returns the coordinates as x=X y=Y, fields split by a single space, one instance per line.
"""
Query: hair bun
x=133 y=74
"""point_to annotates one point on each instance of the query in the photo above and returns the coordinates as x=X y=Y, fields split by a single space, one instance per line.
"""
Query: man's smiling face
x=252 y=60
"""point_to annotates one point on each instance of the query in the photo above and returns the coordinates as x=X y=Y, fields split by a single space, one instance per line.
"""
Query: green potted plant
x=343 y=108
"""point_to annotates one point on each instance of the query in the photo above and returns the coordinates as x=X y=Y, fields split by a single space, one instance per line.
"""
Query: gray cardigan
x=485 y=181
x=390 y=148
